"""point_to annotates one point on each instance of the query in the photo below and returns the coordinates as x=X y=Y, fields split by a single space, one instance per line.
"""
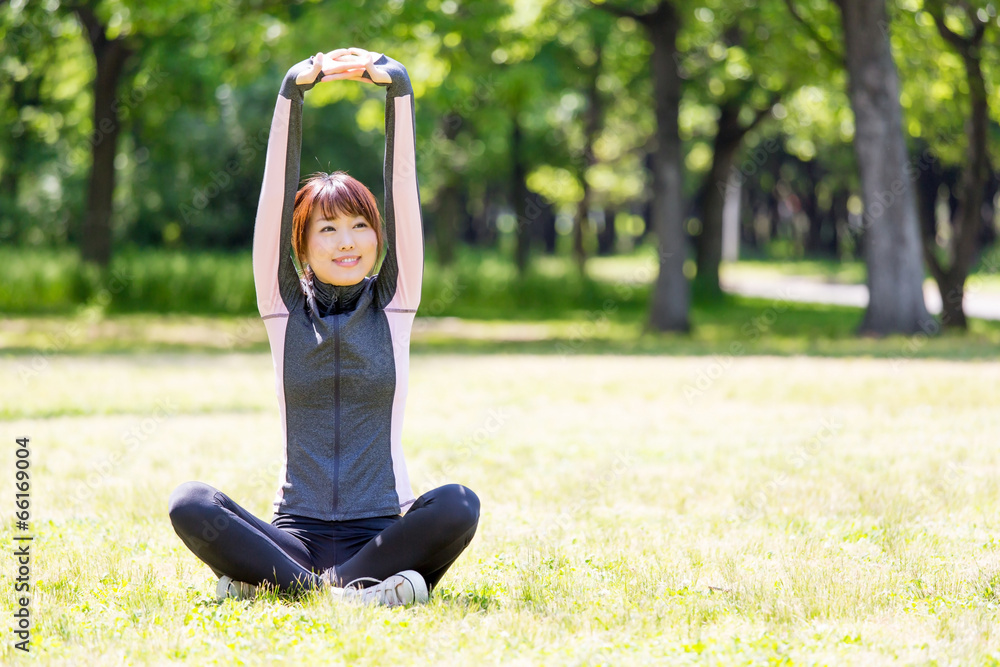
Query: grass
x=481 y=284
x=636 y=510
x=735 y=326
x=767 y=490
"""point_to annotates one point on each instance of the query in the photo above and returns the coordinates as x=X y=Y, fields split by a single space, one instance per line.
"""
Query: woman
x=339 y=340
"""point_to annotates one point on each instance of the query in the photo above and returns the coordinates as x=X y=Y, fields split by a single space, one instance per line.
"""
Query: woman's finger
x=352 y=75
x=344 y=58
x=377 y=75
x=310 y=75
x=336 y=66
x=343 y=75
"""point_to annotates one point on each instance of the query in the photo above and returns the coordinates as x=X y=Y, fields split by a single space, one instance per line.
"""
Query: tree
x=39 y=124
x=740 y=72
x=458 y=156
x=111 y=55
x=120 y=33
x=593 y=148
x=671 y=297
x=963 y=28
x=892 y=242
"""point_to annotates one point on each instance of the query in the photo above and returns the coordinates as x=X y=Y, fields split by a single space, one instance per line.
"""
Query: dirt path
x=984 y=305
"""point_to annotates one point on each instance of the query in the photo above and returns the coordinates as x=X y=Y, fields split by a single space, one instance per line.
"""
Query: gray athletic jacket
x=341 y=378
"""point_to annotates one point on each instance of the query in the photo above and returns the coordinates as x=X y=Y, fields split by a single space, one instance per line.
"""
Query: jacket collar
x=332 y=299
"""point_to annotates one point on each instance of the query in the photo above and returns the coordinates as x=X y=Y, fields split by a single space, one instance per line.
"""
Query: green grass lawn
x=637 y=509
x=733 y=327
x=481 y=284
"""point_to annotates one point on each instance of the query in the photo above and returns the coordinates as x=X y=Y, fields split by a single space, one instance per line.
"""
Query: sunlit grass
x=734 y=326
x=636 y=510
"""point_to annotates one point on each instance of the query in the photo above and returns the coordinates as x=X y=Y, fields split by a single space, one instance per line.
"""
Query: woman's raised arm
x=398 y=281
x=273 y=271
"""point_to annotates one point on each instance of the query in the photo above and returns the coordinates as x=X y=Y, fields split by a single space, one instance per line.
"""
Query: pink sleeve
x=274 y=272
x=267 y=237
x=400 y=276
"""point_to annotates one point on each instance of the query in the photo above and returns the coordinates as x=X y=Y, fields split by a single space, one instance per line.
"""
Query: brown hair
x=337 y=194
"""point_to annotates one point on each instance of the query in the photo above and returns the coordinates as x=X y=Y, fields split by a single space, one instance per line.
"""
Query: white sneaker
x=238 y=590
x=401 y=589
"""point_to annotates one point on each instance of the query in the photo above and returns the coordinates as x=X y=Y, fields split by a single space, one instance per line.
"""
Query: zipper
x=336 y=411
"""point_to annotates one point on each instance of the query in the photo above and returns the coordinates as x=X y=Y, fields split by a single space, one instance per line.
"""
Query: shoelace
x=371 y=591
x=349 y=584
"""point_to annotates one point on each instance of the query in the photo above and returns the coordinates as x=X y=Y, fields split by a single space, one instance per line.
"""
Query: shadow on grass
x=730 y=325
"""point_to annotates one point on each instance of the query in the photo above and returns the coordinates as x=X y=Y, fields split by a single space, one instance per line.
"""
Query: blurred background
x=778 y=173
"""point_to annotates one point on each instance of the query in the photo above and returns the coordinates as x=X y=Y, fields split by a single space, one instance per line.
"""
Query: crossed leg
x=233 y=542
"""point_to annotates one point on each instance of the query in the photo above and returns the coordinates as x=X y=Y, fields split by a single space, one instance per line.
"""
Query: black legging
x=293 y=551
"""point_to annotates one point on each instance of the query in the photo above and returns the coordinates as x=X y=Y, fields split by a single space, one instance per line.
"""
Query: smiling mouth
x=353 y=261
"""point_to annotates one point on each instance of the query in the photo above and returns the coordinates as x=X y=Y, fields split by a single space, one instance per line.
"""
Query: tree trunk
x=731 y=207
x=988 y=231
x=547 y=223
x=671 y=291
x=14 y=164
x=448 y=201
x=838 y=221
x=523 y=226
x=111 y=57
x=810 y=206
x=591 y=128
x=606 y=239
x=727 y=142
x=477 y=202
x=952 y=288
x=968 y=218
x=892 y=241
x=446 y=222
x=580 y=221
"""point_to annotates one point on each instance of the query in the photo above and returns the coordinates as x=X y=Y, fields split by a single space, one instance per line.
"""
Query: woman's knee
x=189 y=504
x=463 y=506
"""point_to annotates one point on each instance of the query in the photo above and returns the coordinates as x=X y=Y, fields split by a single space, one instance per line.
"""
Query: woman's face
x=340 y=251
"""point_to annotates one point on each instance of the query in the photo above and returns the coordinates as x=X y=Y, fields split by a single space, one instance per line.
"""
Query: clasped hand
x=348 y=64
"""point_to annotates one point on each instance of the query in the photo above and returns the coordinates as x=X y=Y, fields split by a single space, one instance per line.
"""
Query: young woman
x=339 y=340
